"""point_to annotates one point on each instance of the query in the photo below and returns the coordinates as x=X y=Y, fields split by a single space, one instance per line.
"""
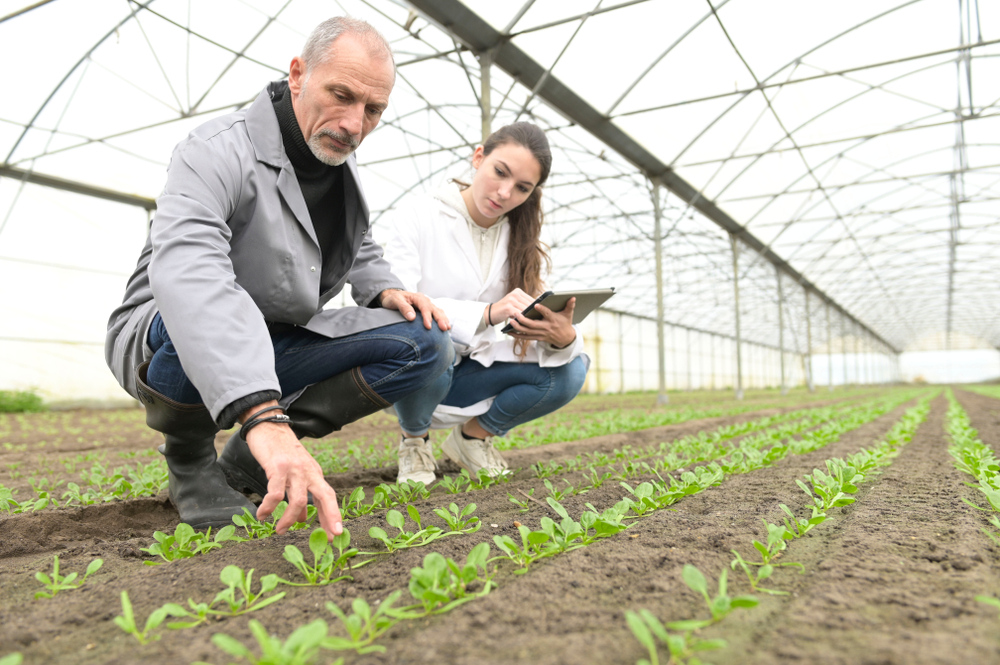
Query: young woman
x=475 y=250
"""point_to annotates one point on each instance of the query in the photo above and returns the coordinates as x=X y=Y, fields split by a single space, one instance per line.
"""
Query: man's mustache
x=336 y=136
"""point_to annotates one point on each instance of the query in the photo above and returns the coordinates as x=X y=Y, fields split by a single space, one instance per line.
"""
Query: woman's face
x=504 y=179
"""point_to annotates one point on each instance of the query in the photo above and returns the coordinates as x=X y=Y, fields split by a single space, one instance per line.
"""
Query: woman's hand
x=556 y=328
x=513 y=303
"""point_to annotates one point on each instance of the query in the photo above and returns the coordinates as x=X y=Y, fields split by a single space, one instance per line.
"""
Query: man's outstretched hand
x=408 y=301
x=291 y=470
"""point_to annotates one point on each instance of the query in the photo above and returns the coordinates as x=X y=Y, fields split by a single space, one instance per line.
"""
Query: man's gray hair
x=317 y=49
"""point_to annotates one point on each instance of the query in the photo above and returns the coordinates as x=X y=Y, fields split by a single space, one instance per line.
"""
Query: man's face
x=342 y=99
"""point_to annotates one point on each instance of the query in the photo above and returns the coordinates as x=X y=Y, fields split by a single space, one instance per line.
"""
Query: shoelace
x=410 y=454
x=493 y=457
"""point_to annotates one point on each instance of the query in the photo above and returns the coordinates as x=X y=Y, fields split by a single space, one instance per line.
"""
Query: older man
x=262 y=221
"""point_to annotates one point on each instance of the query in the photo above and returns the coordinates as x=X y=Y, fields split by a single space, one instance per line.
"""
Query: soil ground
x=889 y=579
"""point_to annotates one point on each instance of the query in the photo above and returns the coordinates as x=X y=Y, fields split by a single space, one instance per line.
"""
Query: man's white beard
x=328 y=156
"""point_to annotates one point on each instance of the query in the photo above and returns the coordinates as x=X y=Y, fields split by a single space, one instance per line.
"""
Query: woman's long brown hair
x=526 y=253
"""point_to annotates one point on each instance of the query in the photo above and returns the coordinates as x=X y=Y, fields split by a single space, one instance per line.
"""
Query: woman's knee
x=568 y=380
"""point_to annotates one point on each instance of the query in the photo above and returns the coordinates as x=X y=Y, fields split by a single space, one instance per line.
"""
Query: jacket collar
x=265 y=136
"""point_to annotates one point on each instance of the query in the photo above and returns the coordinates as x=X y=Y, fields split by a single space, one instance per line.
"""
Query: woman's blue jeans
x=523 y=391
x=395 y=360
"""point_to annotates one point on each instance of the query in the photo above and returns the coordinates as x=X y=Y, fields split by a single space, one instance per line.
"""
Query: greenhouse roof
x=850 y=147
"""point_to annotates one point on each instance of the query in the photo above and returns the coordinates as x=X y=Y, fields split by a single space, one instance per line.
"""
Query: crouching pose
x=261 y=222
x=476 y=251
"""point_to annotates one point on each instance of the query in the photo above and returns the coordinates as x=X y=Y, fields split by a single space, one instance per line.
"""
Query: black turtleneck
x=323 y=189
x=322 y=185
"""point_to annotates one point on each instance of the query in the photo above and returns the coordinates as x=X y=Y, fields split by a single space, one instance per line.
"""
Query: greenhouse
x=785 y=423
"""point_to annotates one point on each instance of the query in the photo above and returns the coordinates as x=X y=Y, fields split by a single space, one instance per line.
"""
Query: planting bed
x=890 y=578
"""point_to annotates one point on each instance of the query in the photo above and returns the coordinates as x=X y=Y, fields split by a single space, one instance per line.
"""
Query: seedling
x=527 y=552
x=643 y=503
x=185 y=543
x=556 y=494
x=354 y=505
x=798 y=527
x=454 y=484
x=300 y=648
x=441 y=585
x=563 y=536
x=363 y=626
x=648 y=629
x=411 y=490
x=126 y=621
x=56 y=582
x=236 y=580
x=524 y=505
x=419 y=538
x=257 y=530
x=12 y=659
x=989 y=600
x=544 y=470
x=596 y=479
x=720 y=606
x=459 y=521
x=325 y=563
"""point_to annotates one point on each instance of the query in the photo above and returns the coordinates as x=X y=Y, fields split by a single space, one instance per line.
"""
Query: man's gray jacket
x=232 y=247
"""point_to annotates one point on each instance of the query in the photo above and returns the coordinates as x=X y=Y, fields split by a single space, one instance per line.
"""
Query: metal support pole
x=810 y=384
x=661 y=396
x=857 y=357
x=829 y=350
x=843 y=345
x=485 y=64
x=781 y=330
x=736 y=306
x=690 y=385
x=642 y=378
x=711 y=368
x=621 y=355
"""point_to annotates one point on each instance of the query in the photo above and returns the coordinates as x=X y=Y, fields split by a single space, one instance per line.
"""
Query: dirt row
x=569 y=609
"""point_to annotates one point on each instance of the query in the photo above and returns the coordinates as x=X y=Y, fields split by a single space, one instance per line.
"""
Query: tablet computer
x=587 y=300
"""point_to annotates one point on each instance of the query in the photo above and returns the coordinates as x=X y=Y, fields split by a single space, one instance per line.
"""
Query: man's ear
x=296 y=75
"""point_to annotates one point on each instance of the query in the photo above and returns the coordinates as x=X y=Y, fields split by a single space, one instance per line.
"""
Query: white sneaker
x=416 y=461
x=474 y=454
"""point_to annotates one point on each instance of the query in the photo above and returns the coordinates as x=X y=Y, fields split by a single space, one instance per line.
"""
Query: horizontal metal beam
x=468 y=27
x=76 y=187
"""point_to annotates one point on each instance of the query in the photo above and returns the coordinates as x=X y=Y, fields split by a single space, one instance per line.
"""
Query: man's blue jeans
x=395 y=360
x=523 y=391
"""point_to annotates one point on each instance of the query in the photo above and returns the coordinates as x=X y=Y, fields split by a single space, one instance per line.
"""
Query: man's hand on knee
x=291 y=470
x=407 y=301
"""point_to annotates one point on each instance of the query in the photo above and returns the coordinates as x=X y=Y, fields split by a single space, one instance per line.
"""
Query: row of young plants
x=333 y=459
x=558 y=537
x=975 y=458
x=753 y=452
x=825 y=490
x=555 y=537
x=985 y=391
x=99 y=485
x=600 y=467
x=552 y=538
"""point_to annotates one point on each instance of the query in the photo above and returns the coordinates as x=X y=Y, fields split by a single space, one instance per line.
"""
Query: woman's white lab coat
x=430 y=248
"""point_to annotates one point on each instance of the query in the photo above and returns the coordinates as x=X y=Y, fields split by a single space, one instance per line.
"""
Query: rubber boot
x=322 y=408
x=198 y=487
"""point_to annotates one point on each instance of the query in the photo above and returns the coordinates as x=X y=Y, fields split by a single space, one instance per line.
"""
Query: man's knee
x=437 y=353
